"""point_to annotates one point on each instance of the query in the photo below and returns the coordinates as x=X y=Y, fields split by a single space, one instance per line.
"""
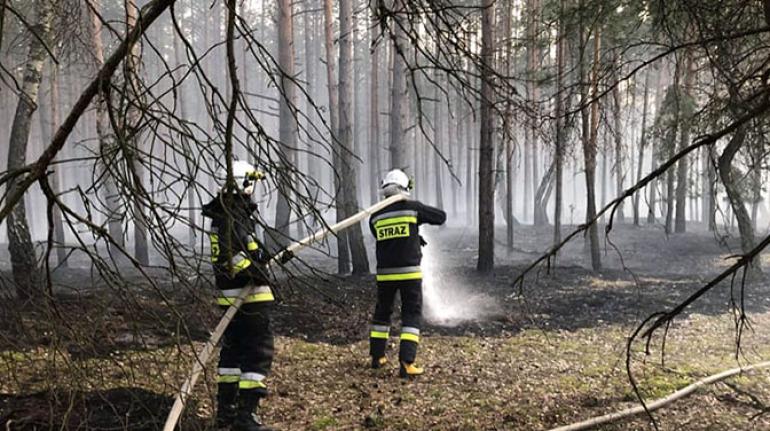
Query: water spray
x=449 y=302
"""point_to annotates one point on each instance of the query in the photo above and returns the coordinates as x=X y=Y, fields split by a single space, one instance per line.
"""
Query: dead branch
x=662 y=402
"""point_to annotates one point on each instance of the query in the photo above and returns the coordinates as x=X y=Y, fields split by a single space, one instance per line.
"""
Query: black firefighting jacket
x=397 y=231
x=238 y=257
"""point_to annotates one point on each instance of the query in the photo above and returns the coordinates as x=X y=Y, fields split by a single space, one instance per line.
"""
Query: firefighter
x=238 y=259
x=396 y=229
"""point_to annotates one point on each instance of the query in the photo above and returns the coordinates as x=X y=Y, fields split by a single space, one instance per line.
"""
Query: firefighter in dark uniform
x=396 y=229
x=238 y=259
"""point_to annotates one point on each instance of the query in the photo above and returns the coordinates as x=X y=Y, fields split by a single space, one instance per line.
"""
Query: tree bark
x=133 y=65
x=589 y=155
x=487 y=148
x=107 y=147
x=374 y=116
x=398 y=152
x=560 y=123
x=438 y=141
x=682 y=179
x=349 y=171
x=507 y=127
x=46 y=126
x=287 y=129
x=343 y=251
x=24 y=264
x=618 y=135
x=191 y=216
x=642 y=144
x=730 y=180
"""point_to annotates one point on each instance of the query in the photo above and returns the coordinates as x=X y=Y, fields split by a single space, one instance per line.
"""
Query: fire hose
x=202 y=358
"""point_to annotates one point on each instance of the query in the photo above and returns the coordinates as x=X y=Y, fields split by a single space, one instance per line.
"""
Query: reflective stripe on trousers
x=261 y=294
x=251 y=381
x=380 y=331
x=410 y=334
x=400 y=273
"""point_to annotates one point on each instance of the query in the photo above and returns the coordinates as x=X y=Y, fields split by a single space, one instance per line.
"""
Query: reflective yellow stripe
x=410 y=337
x=228 y=379
x=400 y=277
x=252 y=246
x=395 y=220
x=257 y=297
x=250 y=384
x=240 y=266
x=378 y=334
x=214 y=238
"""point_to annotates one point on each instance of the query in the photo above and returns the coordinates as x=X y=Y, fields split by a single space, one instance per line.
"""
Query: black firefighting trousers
x=247 y=352
x=411 y=318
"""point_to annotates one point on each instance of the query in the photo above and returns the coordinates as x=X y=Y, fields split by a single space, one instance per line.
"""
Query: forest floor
x=498 y=357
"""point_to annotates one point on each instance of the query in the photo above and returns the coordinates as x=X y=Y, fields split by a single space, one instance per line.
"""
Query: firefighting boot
x=247 y=419
x=227 y=407
x=409 y=370
x=378 y=363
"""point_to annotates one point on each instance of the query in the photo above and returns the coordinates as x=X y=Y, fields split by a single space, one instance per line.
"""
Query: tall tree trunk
x=343 y=251
x=618 y=135
x=349 y=171
x=438 y=141
x=486 y=188
x=532 y=70
x=682 y=180
x=730 y=178
x=133 y=69
x=398 y=153
x=560 y=123
x=655 y=152
x=46 y=127
x=374 y=116
x=24 y=265
x=589 y=154
x=508 y=127
x=287 y=129
x=182 y=103
x=642 y=144
x=107 y=148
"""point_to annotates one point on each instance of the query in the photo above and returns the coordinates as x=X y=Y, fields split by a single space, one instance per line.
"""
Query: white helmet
x=396 y=181
x=245 y=175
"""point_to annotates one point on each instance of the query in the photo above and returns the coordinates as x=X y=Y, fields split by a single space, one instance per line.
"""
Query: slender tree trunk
x=642 y=144
x=46 y=128
x=398 y=153
x=438 y=141
x=560 y=123
x=107 y=148
x=24 y=264
x=343 y=251
x=730 y=180
x=487 y=147
x=374 y=116
x=287 y=129
x=133 y=69
x=507 y=128
x=589 y=154
x=618 y=135
x=182 y=103
x=354 y=234
x=682 y=180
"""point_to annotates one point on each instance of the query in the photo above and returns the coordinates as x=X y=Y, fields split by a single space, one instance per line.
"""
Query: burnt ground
x=546 y=353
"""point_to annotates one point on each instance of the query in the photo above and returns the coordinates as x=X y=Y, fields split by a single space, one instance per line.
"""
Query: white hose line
x=202 y=357
x=660 y=403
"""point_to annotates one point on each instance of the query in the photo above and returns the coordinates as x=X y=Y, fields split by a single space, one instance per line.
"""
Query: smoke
x=447 y=301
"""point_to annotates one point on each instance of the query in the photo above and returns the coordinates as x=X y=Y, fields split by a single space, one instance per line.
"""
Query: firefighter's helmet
x=396 y=181
x=245 y=175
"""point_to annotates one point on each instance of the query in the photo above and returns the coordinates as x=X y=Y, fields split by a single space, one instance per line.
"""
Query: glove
x=286 y=256
x=423 y=243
